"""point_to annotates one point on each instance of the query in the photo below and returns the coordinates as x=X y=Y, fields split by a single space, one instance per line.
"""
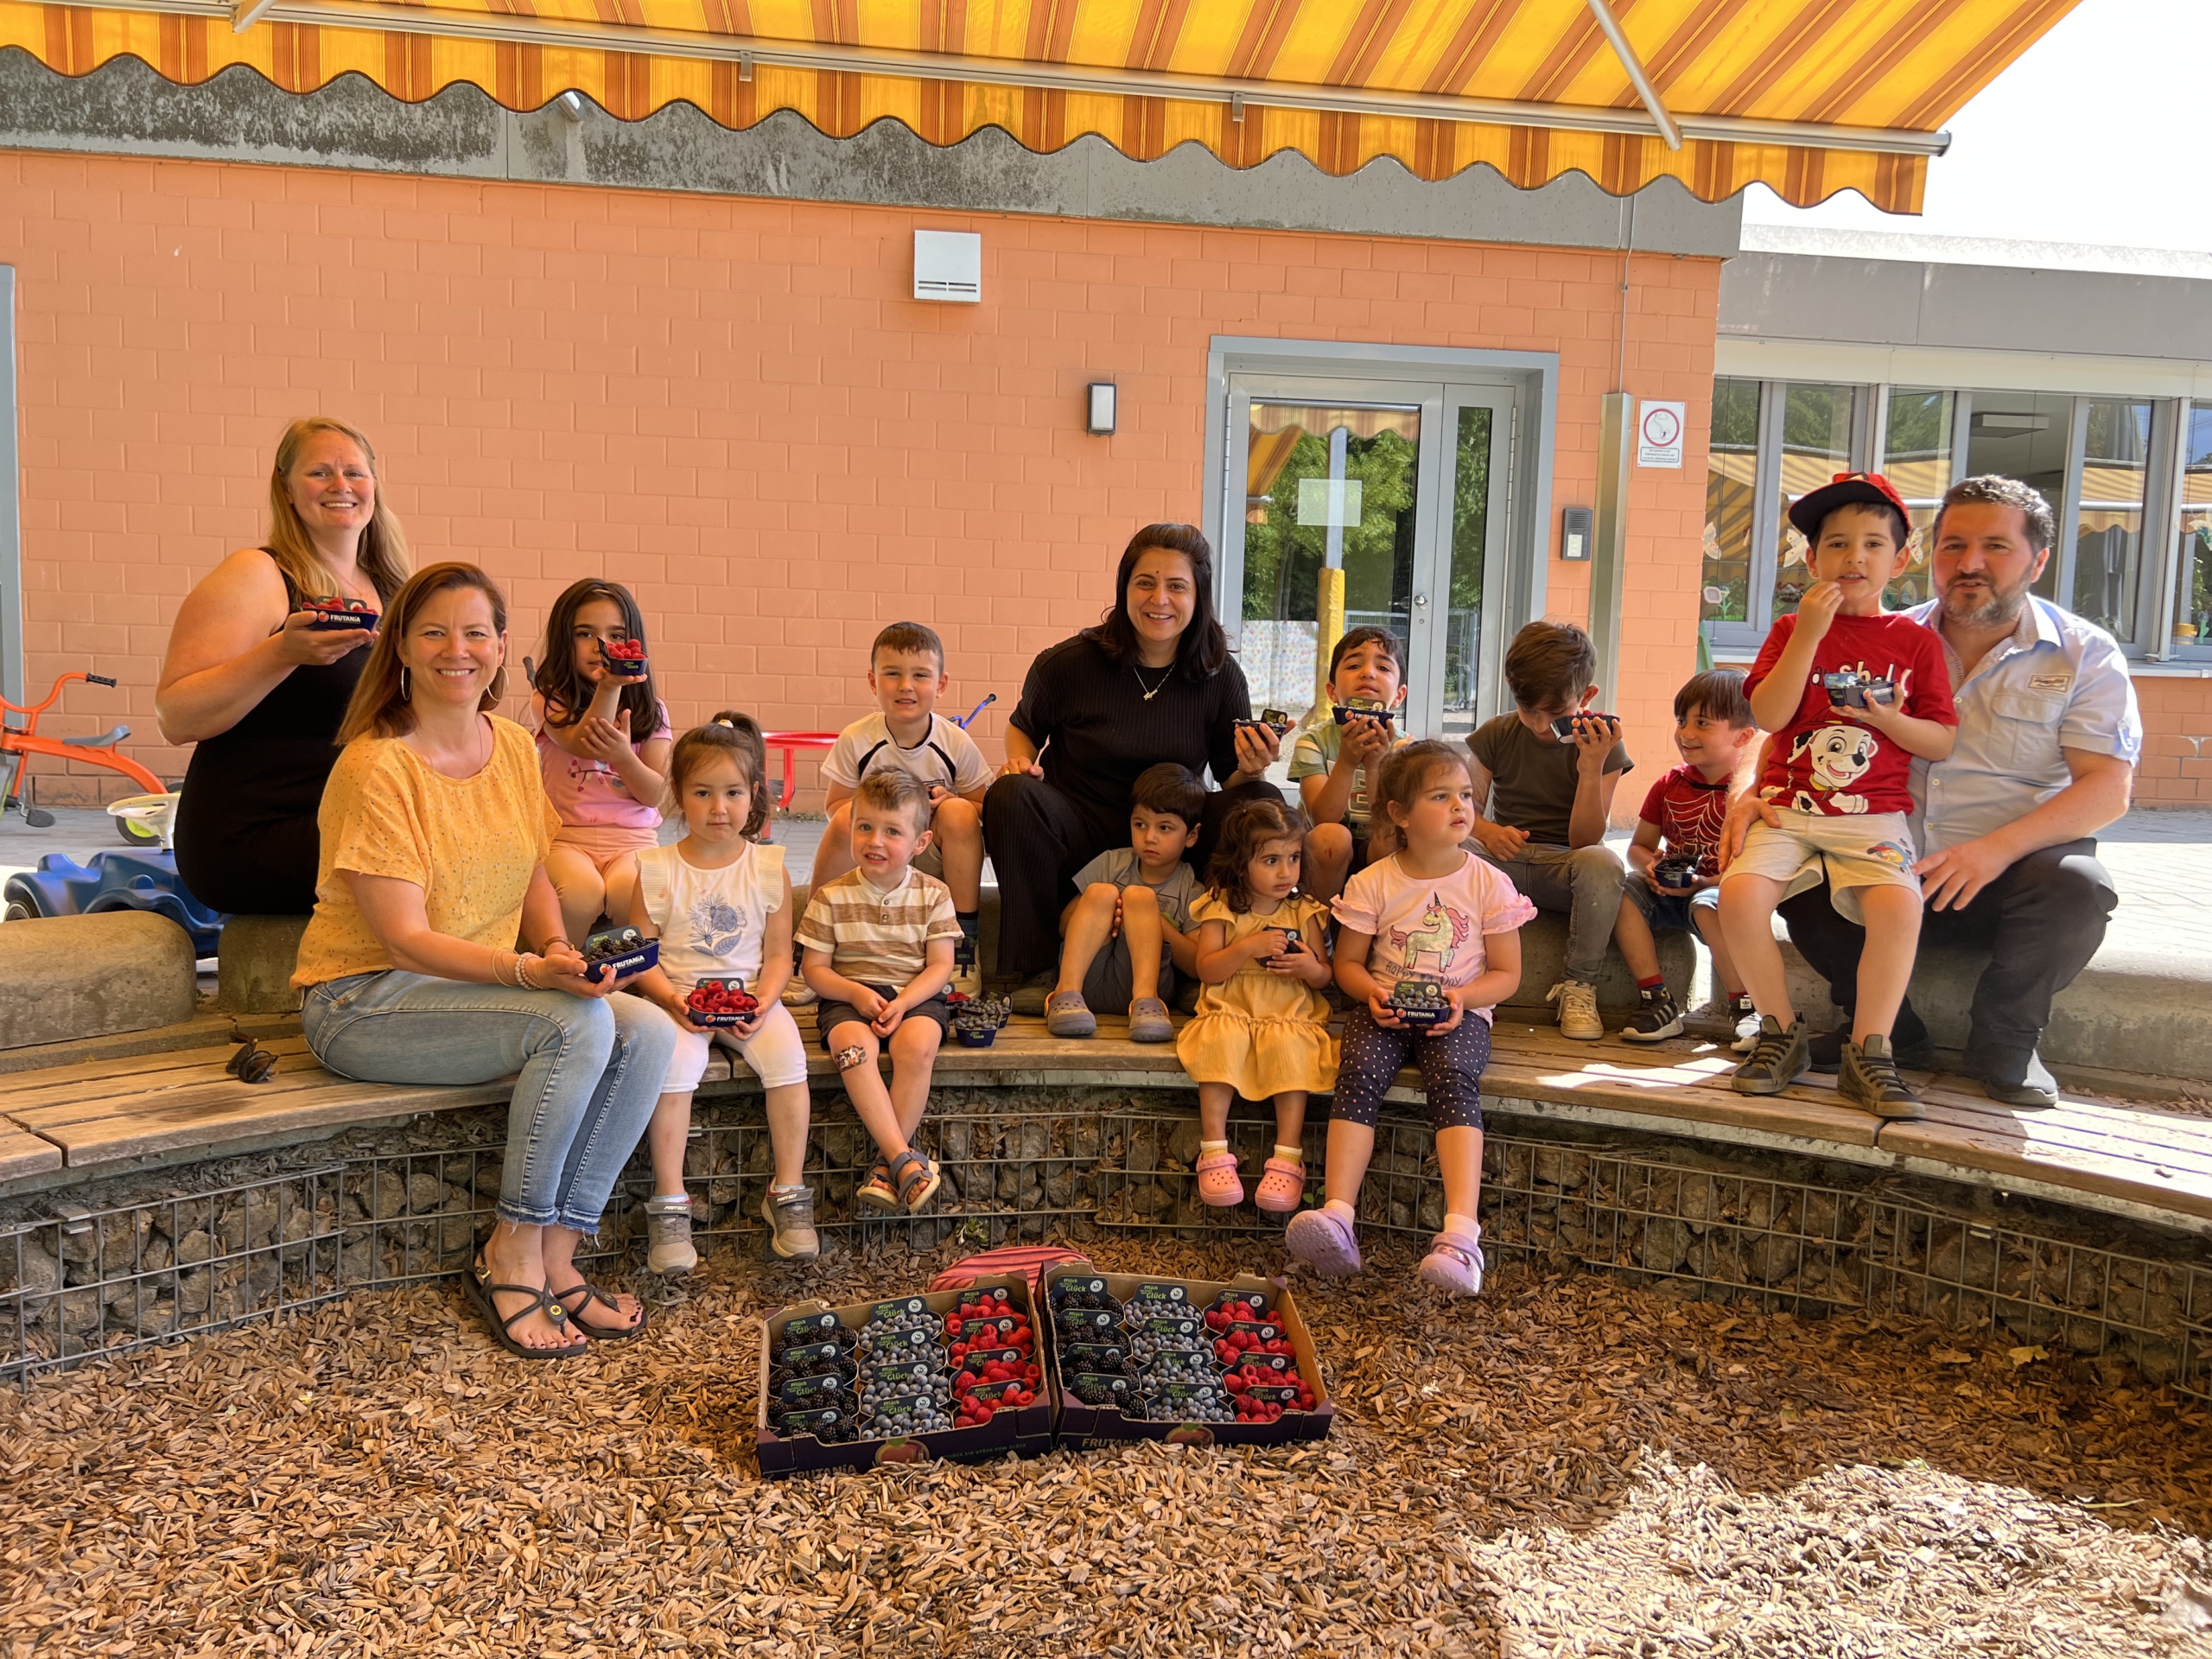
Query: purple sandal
x=1453 y=1265
x=1323 y=1240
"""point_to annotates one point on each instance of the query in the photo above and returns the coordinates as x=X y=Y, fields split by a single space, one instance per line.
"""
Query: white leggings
x=776 y=1052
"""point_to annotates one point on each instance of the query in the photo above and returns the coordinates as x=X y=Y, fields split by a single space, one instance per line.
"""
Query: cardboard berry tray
x=1082 y=1427
x=1027 y=1431
x=619 y=951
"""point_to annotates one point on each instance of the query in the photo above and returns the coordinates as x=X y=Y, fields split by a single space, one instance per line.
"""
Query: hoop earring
x=499 y=686
x=406 y=684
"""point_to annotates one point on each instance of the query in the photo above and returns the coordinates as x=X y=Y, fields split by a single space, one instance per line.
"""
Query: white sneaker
x=668 y=1235
x=1578 y=1010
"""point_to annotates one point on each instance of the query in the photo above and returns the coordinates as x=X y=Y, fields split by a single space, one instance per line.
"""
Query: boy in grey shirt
x=1129 y=927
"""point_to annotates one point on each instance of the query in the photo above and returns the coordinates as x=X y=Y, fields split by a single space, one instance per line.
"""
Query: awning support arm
x=1636 y=78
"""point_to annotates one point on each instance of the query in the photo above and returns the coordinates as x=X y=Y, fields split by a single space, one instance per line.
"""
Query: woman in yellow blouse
x=434 y=828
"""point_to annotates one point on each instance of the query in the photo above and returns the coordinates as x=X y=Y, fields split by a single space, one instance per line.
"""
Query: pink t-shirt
x=1431 y=927
x=590 y=794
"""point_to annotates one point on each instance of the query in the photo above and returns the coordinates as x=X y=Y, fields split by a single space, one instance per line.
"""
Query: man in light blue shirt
x=2049 y=737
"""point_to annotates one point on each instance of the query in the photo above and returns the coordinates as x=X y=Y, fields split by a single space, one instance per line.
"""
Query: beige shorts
x=1862 y=850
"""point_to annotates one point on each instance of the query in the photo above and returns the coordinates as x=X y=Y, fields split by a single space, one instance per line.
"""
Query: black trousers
x=1039 y=837
x=2041 y=921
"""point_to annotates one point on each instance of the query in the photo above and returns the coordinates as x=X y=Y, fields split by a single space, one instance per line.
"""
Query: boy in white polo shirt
x=907 y=675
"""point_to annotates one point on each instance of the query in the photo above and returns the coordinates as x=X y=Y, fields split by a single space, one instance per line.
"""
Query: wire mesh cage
x=89 y=1281
x=1026 y=1163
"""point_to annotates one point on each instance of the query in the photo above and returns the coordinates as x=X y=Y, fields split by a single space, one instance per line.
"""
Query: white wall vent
x=948 y=266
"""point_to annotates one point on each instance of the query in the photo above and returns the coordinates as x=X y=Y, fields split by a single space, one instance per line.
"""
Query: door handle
x=1420 y=601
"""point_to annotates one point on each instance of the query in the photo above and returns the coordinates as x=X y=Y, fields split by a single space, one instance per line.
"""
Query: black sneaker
x=1655 y=1019
x=1869 y=1080
x=1777 y=1059
x=2027 y=1085
x=1909 y=1044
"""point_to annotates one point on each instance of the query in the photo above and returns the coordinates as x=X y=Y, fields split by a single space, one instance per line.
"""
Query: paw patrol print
x=1839 y=756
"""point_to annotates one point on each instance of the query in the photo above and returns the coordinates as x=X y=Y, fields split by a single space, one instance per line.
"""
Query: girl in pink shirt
x=603 y=740
x=1432 y=913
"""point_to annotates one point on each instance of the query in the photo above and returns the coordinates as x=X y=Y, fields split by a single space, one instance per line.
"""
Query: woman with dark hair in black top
x=1153 y=681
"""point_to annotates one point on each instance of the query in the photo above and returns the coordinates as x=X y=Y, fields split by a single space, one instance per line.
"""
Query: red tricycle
x=19 y=743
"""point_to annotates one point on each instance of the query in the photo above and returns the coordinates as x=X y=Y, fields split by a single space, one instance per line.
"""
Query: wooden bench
x=82 y=1117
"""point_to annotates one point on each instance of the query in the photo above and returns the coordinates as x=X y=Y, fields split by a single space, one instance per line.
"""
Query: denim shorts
x=1668 y=912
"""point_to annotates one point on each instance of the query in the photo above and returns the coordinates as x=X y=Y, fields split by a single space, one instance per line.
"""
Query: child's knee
x=915 y=1039
x=1328 y=846
x=841 y=820
x=1137 y=900
x=957 y=822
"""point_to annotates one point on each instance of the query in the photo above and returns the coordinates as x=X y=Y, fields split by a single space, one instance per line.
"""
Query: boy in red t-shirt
x=1683 y=815
x=1851 y=693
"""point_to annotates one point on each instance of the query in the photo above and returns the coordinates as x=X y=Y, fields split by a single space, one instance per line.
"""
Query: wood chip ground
x=1566 y=1467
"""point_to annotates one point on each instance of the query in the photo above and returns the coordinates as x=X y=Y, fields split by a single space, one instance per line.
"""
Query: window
x=2192 y=625
x=2129 y=480
x=2115 y=451
x=1730 y=485
x=1816 y=423
x=1916 y=447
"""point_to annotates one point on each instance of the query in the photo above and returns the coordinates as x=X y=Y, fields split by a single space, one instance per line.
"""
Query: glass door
x=1364 y=503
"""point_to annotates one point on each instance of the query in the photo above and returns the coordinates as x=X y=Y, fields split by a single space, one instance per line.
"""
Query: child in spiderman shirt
x=1852 y=693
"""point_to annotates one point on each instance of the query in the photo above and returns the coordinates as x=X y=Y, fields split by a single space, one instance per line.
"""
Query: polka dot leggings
x=1451 y=1065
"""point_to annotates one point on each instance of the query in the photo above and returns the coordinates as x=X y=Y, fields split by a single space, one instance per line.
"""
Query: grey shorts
x=1107 y=988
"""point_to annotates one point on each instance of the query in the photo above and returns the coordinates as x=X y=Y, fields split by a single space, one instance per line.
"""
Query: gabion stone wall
x=109 y=1267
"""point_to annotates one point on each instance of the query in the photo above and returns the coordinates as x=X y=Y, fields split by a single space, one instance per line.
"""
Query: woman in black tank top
x=258 y=691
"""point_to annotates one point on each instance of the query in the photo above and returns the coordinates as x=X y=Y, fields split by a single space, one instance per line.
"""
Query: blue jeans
x=590 y=1073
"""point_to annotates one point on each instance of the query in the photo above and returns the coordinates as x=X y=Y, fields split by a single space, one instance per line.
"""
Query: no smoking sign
x=1659 y=433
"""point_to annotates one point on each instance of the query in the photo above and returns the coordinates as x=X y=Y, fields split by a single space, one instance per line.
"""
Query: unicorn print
x=1442 y=931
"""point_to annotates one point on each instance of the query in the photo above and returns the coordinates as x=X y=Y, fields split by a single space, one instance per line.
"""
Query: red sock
x=1651 y=984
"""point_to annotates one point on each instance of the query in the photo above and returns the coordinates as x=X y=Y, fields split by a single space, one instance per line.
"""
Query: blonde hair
x=383 y=552
x=379 y=709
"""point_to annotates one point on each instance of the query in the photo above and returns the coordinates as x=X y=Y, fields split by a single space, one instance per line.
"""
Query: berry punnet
x=721 y=1002
x=333 y=615
x=1419 y=1003
x=976 y=1020
x=621 y=952
x=623 y=659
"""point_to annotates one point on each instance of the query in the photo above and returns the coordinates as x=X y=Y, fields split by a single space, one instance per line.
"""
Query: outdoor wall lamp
x=1100 y=420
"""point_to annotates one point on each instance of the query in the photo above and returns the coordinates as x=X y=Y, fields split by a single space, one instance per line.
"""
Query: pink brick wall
x=732 y=405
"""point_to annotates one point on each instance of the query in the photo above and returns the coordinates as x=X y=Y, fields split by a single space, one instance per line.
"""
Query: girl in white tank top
x=721 y=905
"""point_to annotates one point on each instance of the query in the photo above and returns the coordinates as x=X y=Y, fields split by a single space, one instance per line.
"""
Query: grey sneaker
x=789 y=1211
x=668 y=1235
x=1777 y=1060
x=1029 y=995
x=1869 y=1080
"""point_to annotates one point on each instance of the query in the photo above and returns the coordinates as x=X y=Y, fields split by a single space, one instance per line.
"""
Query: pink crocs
x=1453 y=1265
x=1282 y=1186
x=1323 y=1240
x=1217 y=1182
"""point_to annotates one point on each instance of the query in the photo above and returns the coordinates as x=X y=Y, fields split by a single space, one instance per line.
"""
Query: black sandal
x=476 y=1282
x=911 y=1171
x=593 y=1293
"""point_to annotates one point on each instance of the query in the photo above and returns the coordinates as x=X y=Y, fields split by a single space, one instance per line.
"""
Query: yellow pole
x=1330 y=613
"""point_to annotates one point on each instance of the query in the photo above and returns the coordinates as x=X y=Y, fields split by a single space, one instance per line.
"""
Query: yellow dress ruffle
x=1260 y=1034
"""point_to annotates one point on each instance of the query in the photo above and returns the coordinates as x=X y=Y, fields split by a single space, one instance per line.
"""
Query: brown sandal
x=591 y=1293
x=477 y=1283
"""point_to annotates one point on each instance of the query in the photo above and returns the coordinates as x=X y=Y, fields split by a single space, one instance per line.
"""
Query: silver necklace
x=1153 y=691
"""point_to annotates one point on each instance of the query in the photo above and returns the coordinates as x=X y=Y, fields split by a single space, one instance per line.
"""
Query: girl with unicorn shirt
x=1434 y=912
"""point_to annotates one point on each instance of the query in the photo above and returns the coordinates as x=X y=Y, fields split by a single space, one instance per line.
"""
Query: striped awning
x=1811 y=96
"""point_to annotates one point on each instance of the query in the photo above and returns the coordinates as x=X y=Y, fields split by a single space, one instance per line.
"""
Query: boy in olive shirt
x=1542 y=803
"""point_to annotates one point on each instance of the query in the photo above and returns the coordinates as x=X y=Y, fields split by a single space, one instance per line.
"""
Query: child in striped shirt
x=879 y=947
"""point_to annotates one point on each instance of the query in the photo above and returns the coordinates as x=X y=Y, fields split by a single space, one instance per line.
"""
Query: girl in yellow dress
x=1261 y=1027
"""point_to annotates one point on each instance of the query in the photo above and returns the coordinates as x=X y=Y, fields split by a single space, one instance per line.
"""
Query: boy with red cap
x=1852 y=693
